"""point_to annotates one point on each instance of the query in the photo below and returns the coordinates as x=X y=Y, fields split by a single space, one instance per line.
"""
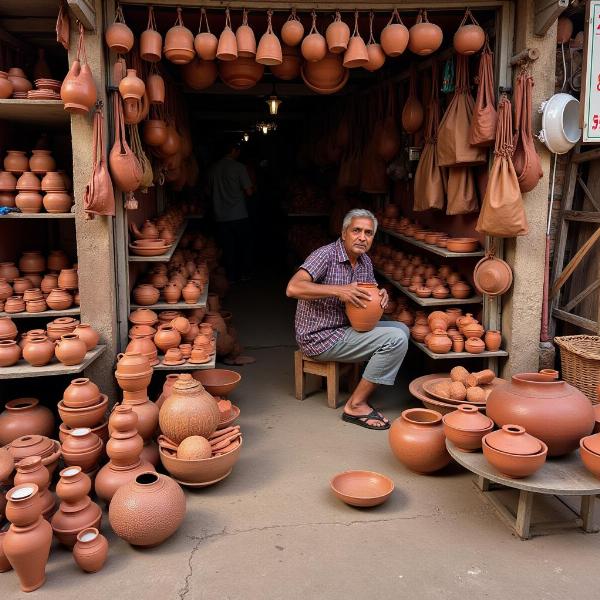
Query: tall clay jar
x=417 y=440
x=91 y=550
x=28 y=540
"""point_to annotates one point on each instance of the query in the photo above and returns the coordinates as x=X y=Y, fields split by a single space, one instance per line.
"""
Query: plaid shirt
x=320 y=323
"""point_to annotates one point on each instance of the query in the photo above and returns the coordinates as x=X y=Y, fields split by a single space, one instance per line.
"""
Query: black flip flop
x=361 y=420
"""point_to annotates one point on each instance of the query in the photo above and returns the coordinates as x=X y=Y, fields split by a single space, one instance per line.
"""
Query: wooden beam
x=546 y=12
x=29 y=25
x=587 y=192
x=84 y=13
x=582 y=216
x=586 y=324
x=582 y=295
x=583 y=157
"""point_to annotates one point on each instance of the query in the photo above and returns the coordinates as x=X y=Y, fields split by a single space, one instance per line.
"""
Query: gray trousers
x=384 y=347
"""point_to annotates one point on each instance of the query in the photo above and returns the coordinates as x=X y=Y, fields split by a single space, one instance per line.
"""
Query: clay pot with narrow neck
x=191 y=293
x=24 y=416
x=82 y=448
x=78 y=90
x=131 y=86
x=32 y=470
x=147 y=413
x=70 y=350
x=143 y=344
x=81 y=392
x=86 y=333
x=493 y=340
x=365 y=319
x=466 y=426
x=91 y=549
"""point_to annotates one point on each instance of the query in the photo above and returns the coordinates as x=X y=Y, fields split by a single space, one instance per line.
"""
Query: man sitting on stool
x=323 y=283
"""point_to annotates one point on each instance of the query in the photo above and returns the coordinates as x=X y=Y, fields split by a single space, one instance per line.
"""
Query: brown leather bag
x=429 y=187
x=483 y=124
x=462 y=191
x=502 y=213
x=526 y=160
x=454 y=148
x=99 y=197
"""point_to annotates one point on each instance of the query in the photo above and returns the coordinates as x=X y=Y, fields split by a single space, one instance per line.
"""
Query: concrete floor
x=273 y=530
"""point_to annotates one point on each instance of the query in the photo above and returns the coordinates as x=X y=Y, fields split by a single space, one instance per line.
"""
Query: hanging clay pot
x=374 y=50
x=227 y=47
x=470 y=38
x=131 y=86
x=179 y=42
x=337 y=35
x=155 y=88
x=246 y=42
x=356 y=55
x=425 y=37
x=269 y=49
x=205 y=42
x=118 y=36
x=365 y=319
x=314 y=45
x=394 y=36
x=151 y=40
x=154 y=132
x=78 y=90
x=290 y=67
x=292 y=31
x=412 y=113
x=199 y=74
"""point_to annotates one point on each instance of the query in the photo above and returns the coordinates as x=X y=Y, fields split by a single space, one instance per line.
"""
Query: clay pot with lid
x=171 y=293
x=365 y=319
x=337 y=35
x=28 y=540
x=6 y=86
x=179 y=42
x=474 y=345
x=191 y=292
x=143 y=316
x=492 y=340
x=80 y=393
x=38 y=351
x=24 y=416
x=141 y=331
x=394 y=36
x=417 y=440
x=149 y=494
x=86 y=333
x=70 y=350
x=424 y=37
x=552 y=411
x=466 y=426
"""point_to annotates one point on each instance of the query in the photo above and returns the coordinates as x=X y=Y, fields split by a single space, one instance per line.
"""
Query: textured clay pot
x=552 y=411
x=59 y=299
x=189 y=410
x=466 y=426
x=28 y=540
x=91 y=549
x=24 y=416
x=70 y=350
x=417 y=440
x=148 y=510
x=365 y=319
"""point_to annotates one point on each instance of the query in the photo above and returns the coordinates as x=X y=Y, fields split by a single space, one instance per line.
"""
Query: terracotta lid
x=29 y=445
x=592 y=443
x=492 y=276
x=513 y=439
x=468 y=418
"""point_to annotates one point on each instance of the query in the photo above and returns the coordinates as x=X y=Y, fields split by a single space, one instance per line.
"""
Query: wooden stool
x=331 y=370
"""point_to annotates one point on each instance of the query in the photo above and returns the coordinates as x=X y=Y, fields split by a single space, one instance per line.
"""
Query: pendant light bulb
x=273 y=103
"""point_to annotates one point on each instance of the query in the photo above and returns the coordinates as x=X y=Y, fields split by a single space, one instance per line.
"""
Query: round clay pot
x=394 y=37
x=424 y=37
x=365 y=319
x=82 y=448
x=41 y=161
x=6 y=86
x=418 y=442
x=150 y=494
x=143 y=344
x=10 y=353
x=145 y=294
x=133 y=365
x=32 y=262
x=53 y=182
x=78 y=90
x=290 y=66
x=191 y=292
x=469 y=39
x=24 y=416
x=167 y=337
x=466 y=426
x=171 y=293
x=86 y=333
x=16 y=161
x=200 y=74
x=292 y=31
x=131 y=86
x=21 y=285
x=70 y=350
x=81 y=392
x=91 y=549
x=154 y=132
x=8 y=330
x=472 y=330
x=57 y=202
x=57 y=260
x=241 y=73
x=337 y=35
x=143 y=316
x=119 y=38
x=29 y=202
x=493 y=340
x=32 y=470
x=7 y=199
x=552 y=411
x=492 y=276
x=206 y=44
x=439 y=342
x=38 y=351
x=474 y=345
x=6 y=290
x=68 y=280
x=179 y=45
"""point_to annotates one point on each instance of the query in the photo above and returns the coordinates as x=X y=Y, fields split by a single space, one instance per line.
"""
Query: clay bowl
x=514 y=465
x=199 y=473
x=466 y=441
x=88 y=416
x=591 y=460
x=462 y=244
x=218 y=382
x=362 y=488
x=151 y=251
x=235 y=413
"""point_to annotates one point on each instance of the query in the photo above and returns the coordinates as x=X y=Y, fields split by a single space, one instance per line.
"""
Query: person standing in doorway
x=230 y=185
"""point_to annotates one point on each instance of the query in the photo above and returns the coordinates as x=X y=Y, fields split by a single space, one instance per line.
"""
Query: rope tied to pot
x=313 y=29
x=151 y=24
x=203 y=14
x=356 y=32
x=371 y=37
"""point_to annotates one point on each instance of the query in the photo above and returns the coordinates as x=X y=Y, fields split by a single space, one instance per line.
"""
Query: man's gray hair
x=359 y=213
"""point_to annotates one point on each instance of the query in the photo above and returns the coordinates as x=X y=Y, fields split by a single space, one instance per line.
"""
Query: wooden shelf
x=166 y=257
x=457 y=355
x=24 y=369
x=186 y=366
x=41 y=215
x=35 y=112
x=178 y=305
x=430 y=248
x=430 y=301
x=69 y=312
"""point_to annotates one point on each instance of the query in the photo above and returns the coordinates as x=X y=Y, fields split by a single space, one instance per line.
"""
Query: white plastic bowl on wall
x=560 y=123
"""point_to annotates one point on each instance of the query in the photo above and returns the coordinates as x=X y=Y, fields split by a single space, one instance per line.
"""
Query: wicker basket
x=580 y=362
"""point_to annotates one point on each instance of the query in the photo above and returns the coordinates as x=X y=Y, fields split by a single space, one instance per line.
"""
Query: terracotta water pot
x=6 y=86
x=87 y=334
x=68 y=280
x=179 y=43
x=149 y=495
x=365 y=319
x=32 y=470
x=171 y=293
x=200 y=74
x=493 y=340
x=19 y=80
x=28 y=540
x=150 y=41
x=41 y=161
x=82 y=448
x=439 y=342
x=91 y=549
x=191 y=292
x=552 y=411
x=78 y=91
x=147 y=413
x=145 y=294
x=424 y=37
x=119 y=37
x=80 y=393
x=52 y=182
x=70 y=350
x=241 y=73
x=58 y=260
x=394 y=36
x=466 y=426
x=167 y=337
x=8 y=329
x=16 y=161
x=8 y=182
x=337 y=35
x=10 y=353
x=314 y=47
x=38 y=351
x=21 y=285
x=417 y=440
x=24 y=416
x=244 y=36
x=227 y=46
x=59 y=299
x=292 y=31
x=57 y=202
x=29 y=202
x=131 y=86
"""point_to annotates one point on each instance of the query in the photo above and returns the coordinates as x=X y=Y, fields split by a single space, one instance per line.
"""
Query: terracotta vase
x=189 y=410
x=439 y=342
x=552 y=411
x=25 y=416
x=80 y=393
x=38 y=351
x=417 y=440
x=28 y=540
x=78 y=91
x=147 y=413
x=148 y=495
x=493 y=340
x=91 y=549
x=70 y=350
x=131 y=87
x=191 y=292
x=365 y=319
x=171 y=293
x=86 y=333
x=31 y=470
x=466 y=426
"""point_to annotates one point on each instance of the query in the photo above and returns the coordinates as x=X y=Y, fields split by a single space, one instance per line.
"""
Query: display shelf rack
x=458 y=355
x=69 y=312
x=186 y=366
x=34 y=112
x=430 y=247
x=178 y=305
x=41 y=215
x=430 y=301
x=23 y=369
x=166 y=257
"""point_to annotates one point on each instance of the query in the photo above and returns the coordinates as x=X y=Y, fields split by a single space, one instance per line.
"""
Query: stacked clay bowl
x=46 y=89
x=133 y=372
x=36 y=445
x=362 y=488
x=466 y=426
x=83 y=405
x=589 y=450
x=149 y=247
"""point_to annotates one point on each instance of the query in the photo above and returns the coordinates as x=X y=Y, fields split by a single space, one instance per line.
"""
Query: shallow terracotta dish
x=429 y=389
x=416 y=389
x=462 y=244
x=235 y=413
x=143 y=251
x=362 y=488
x=590 y=459
x=218 y=382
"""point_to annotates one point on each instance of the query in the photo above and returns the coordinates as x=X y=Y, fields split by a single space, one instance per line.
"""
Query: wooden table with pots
x=565 y=476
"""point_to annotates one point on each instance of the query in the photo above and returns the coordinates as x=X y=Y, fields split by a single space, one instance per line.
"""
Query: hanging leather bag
x=526 y=160
x=454 y=148
x=483 y=124
x=99 y=197
x=502 y=213
x=462 y=191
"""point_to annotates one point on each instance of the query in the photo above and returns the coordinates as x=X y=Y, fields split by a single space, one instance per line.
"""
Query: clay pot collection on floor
x=32 y=183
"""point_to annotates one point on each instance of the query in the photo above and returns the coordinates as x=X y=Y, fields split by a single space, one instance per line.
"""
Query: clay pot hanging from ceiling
x=246 y=42
x=269 y=48
x=118 y=36
x=290 y=67
x=205 y=42
x=412 y=113
x=292 y=31
x=199 y=74
x=374 y=50
x=356 y=55
x=424 y=37
x=337 y=35
x=151 y=40
x=394 y=36
x=469 y=38
x=78 y=90
x=564 y=30
x=492 y=276
x=131 y=86
x=179 y=42
x=227 y=47
x=314 y=45
x=241 y=74
x=155 y=88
